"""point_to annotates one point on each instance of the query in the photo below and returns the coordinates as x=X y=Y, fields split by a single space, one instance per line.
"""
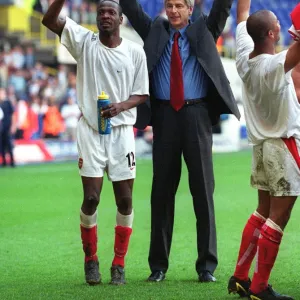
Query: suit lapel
x=160 y=41
x=163 y=41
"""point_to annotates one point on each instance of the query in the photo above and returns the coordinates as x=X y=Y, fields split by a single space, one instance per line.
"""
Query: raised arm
x=218 y=15
x=52 y=20
x=292 y=57
x=140 y=21
x=293 y=54
x=243 y=10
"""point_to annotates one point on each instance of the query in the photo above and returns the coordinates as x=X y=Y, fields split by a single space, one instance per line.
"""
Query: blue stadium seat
x=153 y=7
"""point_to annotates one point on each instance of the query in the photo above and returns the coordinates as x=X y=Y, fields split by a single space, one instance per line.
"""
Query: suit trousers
x=187 y=132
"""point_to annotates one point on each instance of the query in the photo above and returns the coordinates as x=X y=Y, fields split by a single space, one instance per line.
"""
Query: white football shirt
x=269 y=98
x=120 y=72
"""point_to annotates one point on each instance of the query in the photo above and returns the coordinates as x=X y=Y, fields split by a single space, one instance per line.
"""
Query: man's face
x=108 y=18
x=275 y=27
x=178 y=13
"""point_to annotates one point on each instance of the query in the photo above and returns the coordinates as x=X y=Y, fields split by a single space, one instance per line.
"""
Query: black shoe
x=117 y=274
x=237 y=286
x=91 y=270
x=206 y=276
x=157 y=276
x=268 y=294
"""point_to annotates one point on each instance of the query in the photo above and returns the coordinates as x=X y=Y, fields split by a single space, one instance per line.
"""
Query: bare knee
x=124 y=205
x=281 y=218
x=90 y=203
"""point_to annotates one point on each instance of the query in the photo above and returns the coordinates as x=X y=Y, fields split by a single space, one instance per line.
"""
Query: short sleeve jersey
x=120 y=72
x=271 y=106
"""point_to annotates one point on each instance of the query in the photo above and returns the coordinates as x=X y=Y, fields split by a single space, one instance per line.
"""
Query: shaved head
x=259 y=24
x=112 y=2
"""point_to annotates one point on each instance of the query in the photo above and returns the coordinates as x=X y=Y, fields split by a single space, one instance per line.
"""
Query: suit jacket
x=202 y=36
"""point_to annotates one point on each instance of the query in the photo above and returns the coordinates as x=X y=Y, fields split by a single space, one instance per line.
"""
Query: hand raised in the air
x=112 y=110
x=294 y=31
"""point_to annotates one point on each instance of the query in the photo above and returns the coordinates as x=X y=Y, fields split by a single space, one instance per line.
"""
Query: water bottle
x=104 y=126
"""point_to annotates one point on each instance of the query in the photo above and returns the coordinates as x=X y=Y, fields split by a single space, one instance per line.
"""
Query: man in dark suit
x=189 y=91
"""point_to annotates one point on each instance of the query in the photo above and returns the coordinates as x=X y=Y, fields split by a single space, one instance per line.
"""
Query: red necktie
x=176 y=80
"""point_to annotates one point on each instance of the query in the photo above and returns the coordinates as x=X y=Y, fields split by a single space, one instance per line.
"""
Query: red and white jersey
x=270 y=102
x=120 y=72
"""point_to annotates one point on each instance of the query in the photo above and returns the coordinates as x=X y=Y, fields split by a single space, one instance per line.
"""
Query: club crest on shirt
x=94 y=37
x=80 y=163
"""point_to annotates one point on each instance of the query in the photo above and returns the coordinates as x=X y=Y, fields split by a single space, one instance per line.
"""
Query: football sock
x=124 y=220
x=88 y=228
x=267 y=250
x=123 y=231
x=248 y=245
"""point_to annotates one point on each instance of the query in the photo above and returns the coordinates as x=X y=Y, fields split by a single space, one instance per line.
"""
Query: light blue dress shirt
x=195 y=79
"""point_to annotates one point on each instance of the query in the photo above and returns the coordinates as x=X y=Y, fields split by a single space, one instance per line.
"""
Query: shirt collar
x=182 y=31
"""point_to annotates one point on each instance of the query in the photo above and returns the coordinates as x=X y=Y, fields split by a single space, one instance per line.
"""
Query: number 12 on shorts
x=131 y=160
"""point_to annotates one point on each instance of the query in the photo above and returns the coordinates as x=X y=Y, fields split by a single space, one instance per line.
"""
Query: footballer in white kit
x=105 y=62
x=120 y=72
x=272 y=113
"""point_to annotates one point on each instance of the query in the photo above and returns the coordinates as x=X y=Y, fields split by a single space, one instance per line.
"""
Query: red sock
x=248 y=247
x=122 y=236
x=267 y=250
x=89 y=242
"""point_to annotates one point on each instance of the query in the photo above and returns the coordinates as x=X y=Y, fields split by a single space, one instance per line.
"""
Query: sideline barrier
x=40 y=151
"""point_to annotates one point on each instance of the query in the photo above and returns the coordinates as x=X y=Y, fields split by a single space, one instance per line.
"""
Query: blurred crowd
x=43 y=99
x=81 y=11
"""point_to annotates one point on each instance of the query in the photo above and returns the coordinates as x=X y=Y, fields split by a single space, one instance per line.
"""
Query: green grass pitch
x=40 y=248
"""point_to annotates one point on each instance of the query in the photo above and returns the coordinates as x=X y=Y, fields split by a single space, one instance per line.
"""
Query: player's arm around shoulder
x=139 y=20
x=217 y=17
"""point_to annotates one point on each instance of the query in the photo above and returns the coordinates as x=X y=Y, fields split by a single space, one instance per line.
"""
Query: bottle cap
x=103 y=96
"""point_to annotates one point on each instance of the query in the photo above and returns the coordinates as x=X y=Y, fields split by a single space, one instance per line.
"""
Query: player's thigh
x=121 y=154
x=258 y=174
x=263 y=207
x=92 y=187
x=281 y=168
x=91 y=151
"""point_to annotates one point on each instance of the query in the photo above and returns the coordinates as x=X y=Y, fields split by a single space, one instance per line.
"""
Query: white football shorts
x=113 y=153
x=275 y=168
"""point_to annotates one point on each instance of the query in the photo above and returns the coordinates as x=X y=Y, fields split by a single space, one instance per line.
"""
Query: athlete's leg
x=269 y=241
x=123 y=229
x=88 y=219
x=240 y=282
x=283 y=175
x=91 y=168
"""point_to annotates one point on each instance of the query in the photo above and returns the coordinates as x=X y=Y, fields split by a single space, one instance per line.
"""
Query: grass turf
x=40 y=247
